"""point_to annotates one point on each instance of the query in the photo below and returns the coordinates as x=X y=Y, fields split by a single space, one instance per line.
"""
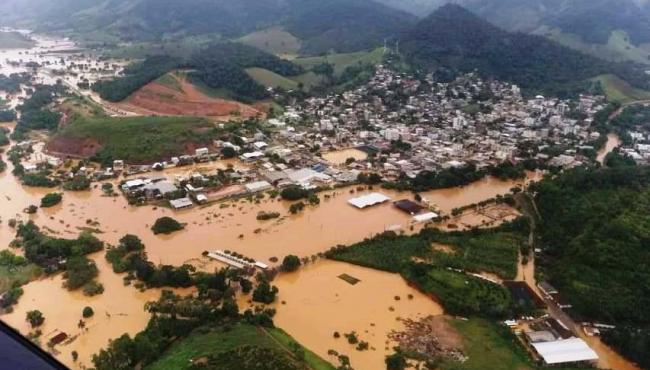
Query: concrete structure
x=181 y=203
x=425 y=217
x=369 y=200
x=565 y=351
x=258 y=186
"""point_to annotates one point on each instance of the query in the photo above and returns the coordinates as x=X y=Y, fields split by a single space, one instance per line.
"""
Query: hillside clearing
x=619 y=90
x=133 y=139
x=344 y=60
x=273 y=40
x=270 y=79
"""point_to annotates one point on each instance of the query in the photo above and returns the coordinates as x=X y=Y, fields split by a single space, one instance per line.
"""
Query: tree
x=50 y=200
x=290 y=263
x=35 y=318
x=396 y=361
x=88 y=312
x=166 y=225
x=265 y=293
x=79 y=272
x=228 y=152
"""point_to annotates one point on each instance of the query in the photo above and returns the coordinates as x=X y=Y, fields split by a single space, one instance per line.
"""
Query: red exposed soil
x=187 y=100
x=74 y=147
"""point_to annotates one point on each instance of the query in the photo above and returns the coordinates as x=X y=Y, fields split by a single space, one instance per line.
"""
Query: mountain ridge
x=456 y=39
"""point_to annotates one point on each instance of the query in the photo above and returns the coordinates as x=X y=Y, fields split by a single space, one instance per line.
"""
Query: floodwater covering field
x=319 y=303
x=120 y=309
x=340 y=156
x=316 y=301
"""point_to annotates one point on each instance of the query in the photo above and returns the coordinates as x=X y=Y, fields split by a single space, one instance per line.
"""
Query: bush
x=263 y=216
x=166 y=225
x=290 y=263
x=93 y=288
x=296 y=208
x=87 y=312
x=50 y=200
x=78 y=183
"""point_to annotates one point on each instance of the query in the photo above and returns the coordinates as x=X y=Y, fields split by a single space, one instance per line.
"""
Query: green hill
x=594 y=235
x=618 y=90
x=454 y=39
x=133 y=139
x=320 y=25
x=267 y=78
x=274 y=40
x=218 y=344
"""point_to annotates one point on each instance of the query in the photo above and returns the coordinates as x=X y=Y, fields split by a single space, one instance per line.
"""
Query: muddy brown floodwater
x=340 y=156
x=318 y=303
x=120 y=309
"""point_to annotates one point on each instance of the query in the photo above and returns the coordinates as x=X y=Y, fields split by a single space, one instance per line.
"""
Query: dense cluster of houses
x=442 y=125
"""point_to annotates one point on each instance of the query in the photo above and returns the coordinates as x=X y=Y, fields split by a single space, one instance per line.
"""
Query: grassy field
x=494 y=252
x=490 y=346
x=312 y=359
x=619 y=90
x=273 y=40
x=170 y=81
x=15 y=40
x=270 y=79
x=618 y=48
x=211 y=341
x=461 y=294
x=309 y=80
x=343 y=61
x=179 y=48
x=17 y=276
x=139 y=139
x=487 y=346
x=387 y=253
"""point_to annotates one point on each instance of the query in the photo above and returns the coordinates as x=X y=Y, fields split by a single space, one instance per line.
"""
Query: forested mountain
x=453 y=38
x=345 y=25
x=617 y=30
x=219 y=66
x=595 y=234
x=592 y=19
x=322 y=25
